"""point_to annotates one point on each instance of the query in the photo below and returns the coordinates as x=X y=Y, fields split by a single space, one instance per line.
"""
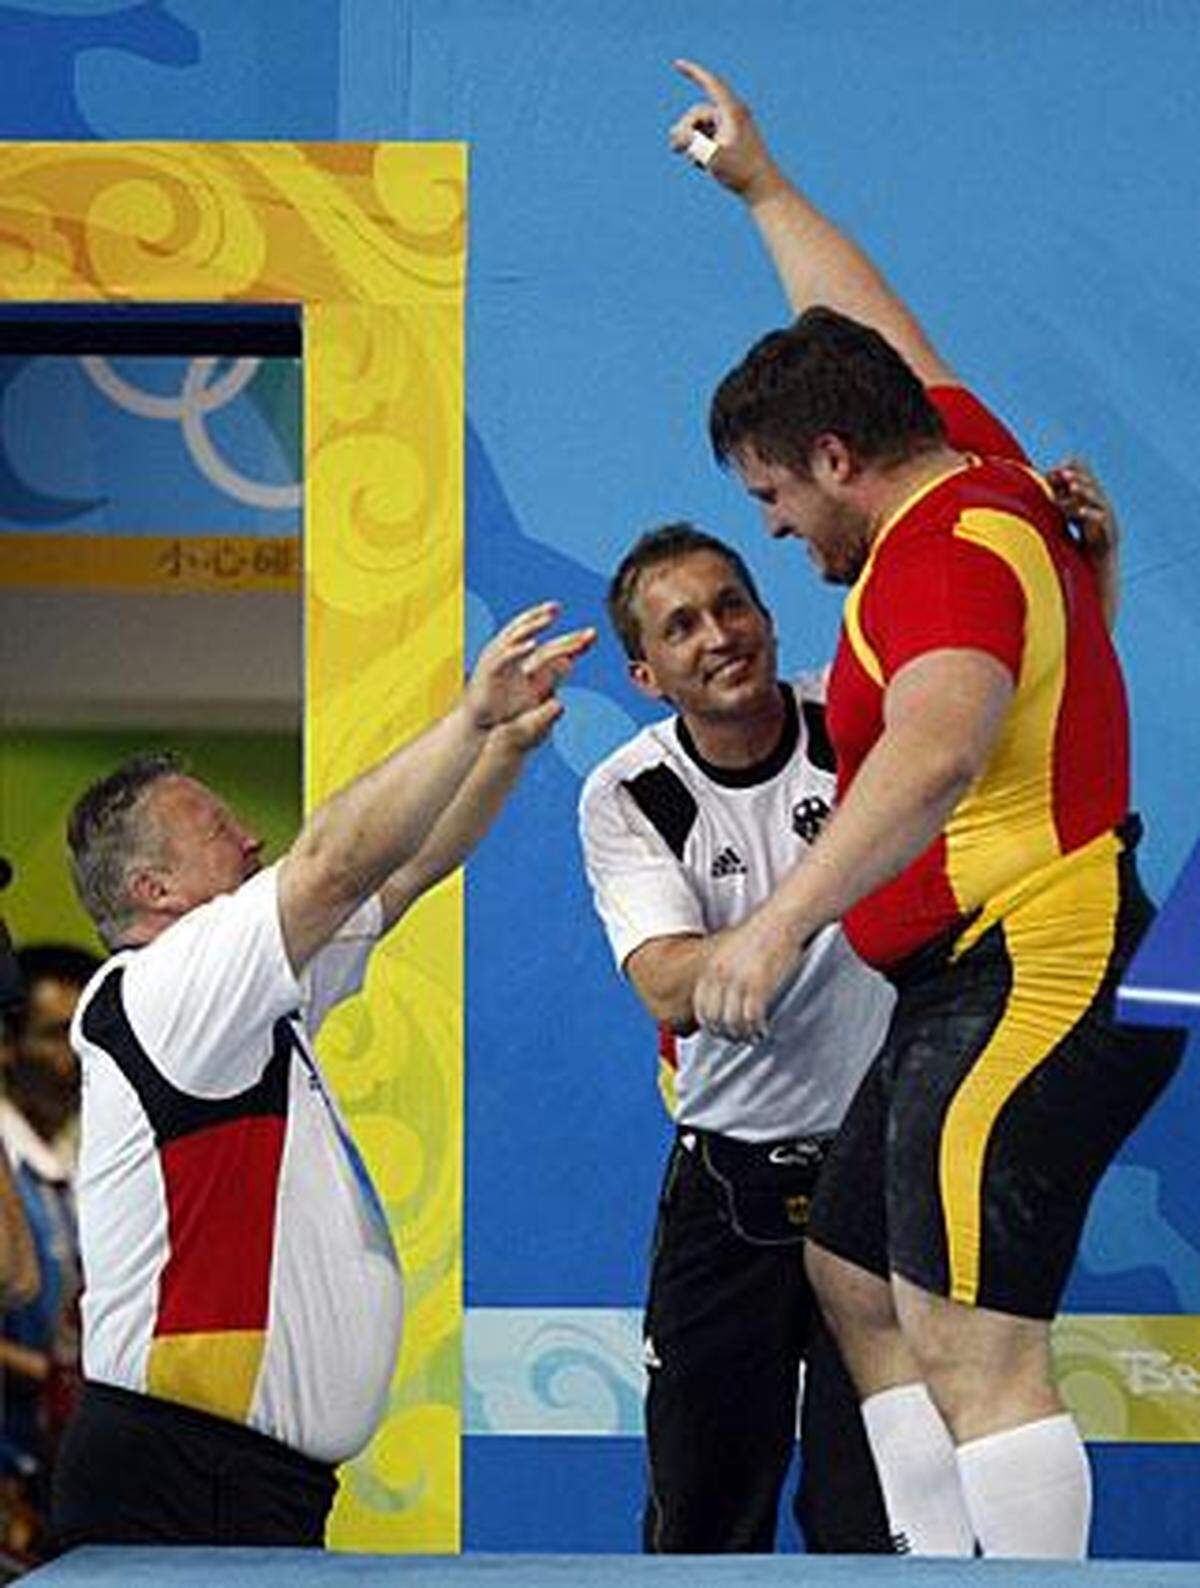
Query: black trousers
x=135 y=1470
x=729 y=1319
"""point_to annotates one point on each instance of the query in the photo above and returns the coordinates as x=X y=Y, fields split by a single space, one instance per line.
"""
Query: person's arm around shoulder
x=815 y=261
x=354 y=842
x=1083 y=500
x=943 y=712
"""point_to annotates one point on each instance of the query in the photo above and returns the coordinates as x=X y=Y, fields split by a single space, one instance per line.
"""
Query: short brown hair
x=665 y=544
x=825 y=374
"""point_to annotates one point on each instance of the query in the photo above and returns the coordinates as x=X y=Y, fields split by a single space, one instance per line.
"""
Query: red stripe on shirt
x=222 y=1185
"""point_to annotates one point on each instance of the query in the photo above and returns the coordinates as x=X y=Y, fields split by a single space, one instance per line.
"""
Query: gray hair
x=107 y=830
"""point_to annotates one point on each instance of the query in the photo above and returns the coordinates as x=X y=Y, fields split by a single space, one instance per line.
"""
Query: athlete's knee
x=985 y=1370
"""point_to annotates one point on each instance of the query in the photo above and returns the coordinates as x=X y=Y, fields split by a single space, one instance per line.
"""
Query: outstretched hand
x=740 y=160
x=517 y=672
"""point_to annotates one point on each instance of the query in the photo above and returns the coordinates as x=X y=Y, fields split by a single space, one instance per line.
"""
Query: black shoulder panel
x=171 y=1112
x=663 y=799
x=818 y=749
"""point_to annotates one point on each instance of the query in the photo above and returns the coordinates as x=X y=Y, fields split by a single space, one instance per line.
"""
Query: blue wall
x=1027 y=176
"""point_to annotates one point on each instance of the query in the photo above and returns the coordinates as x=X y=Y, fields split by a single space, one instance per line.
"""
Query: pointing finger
x=708 y=82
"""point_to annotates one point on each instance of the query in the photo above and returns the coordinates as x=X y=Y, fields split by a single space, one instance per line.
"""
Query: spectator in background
x=18 y=1266
x=39 y=1116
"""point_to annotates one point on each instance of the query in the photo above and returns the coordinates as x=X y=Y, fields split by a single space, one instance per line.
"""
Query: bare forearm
x=1108 y=577
x=943 y=713
x=363 y=835
x=358 y=838
x=664 y=973
x=459 y=828
x=900 y=801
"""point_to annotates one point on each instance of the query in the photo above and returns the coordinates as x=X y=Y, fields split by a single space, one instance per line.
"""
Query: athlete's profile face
x=808 y=508
x=206 y=851
x=706 y=646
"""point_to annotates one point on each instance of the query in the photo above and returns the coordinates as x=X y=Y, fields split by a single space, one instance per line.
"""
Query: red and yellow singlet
x=980 y=559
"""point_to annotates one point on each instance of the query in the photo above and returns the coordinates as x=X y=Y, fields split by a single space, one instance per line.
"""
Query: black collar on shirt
x=761 y=771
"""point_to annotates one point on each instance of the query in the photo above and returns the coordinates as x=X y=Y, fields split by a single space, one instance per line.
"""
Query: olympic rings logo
x=200 y=397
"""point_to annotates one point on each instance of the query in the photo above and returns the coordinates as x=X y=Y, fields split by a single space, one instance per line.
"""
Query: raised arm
x=358 y=839
x=815 y=261
x=471 y=812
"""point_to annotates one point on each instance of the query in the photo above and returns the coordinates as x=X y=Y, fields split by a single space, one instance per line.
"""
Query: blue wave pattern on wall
x=42 y=48
x=546 y=1370
x=560 y=1058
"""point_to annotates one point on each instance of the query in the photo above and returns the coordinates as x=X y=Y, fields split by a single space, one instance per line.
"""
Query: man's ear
x=642 y=675
x=147 y=887
x=831 y=462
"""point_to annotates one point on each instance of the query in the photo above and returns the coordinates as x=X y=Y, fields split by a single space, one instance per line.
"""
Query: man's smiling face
x=706 y=646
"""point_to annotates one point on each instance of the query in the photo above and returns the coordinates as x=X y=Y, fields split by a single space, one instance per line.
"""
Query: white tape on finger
x=701 y=149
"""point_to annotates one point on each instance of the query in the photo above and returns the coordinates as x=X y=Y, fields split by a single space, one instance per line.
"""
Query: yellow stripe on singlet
x=1004 y=828
x=1059 y=941
x=852 y=627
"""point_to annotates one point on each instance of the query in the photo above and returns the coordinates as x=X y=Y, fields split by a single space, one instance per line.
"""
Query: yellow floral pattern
x=371 y=240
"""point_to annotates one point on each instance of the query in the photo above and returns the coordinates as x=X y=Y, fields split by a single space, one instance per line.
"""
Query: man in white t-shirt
x=685 y=829
x=243 y=1301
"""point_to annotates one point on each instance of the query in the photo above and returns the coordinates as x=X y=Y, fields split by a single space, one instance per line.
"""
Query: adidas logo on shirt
x=729 y=863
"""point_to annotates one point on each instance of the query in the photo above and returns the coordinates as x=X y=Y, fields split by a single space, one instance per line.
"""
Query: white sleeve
x=203 y=996
x=639 y=888
x=336 y=972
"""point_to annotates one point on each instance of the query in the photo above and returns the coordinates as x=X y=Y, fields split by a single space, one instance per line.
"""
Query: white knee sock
x=914 y=1456
x=1029 y=1489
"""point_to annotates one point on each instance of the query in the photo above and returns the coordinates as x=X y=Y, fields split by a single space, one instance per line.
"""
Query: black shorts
x=1003 y=1090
